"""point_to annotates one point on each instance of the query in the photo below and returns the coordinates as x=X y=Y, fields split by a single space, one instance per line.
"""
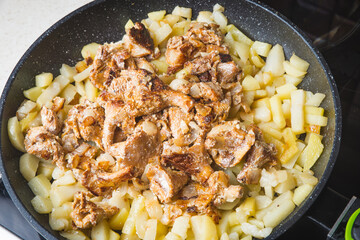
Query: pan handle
x=334 y=213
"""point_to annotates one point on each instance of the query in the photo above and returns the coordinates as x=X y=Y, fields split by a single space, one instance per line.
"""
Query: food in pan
x=182 y=130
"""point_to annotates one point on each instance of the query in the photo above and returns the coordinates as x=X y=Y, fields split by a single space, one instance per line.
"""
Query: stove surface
x=337 y=35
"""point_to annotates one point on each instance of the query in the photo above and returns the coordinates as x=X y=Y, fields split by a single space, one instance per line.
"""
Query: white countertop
x=21 y=23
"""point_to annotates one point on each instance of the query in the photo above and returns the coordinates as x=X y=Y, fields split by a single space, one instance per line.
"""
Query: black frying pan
x=104 y=21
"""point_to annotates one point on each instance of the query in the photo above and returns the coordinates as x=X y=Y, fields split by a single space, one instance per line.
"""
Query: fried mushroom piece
x=207 y=33
x=86 y=214
x=100 y=182
x=84 y=122
x=147 y=93
x=110 y=59
x=45 y=145
x=261 y=155
x=138 y=41
x=227 y=143
x=138 y=148
x=50 y=120
x=219 y=186
x=198 y=198
x=178 y=51
x=165 y=182
x=227 y=71
x=193 y=160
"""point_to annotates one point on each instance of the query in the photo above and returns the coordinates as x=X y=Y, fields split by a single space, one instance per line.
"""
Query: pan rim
x=280 y=229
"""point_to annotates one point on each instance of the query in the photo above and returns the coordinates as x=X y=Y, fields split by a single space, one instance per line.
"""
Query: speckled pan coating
x=104 y=21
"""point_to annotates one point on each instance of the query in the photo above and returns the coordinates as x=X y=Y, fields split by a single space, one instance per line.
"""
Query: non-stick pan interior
x=104 y=22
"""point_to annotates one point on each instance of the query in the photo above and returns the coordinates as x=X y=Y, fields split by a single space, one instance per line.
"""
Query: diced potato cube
x=33 y=93
x=262 y=201
x=284 y=91
x=157 y=15
x=90 y=90
x=234 y=236
x=292 y=71
x=256 y=59
x=57 y=173
x=314 y=110
x=172 y=19
x=220 y=19
x=67 y=179
x=74 y=235
x=276 y=110
x=249 y=83
x=80 y=66
x=62 y=194
x=238 y=35
x=45 y=169
x=286 y=107
x=137 y=205
x=181 y=226
x=129 y=237
x=173 y=236
x=151 y=227
x=313 y=150
x=299 y=63
x=80 y=88
x=260 y=93
x=59 y=224
x=248 y=206
x=315 y=100
x=287 y=196
x=182 y=12
x=316 y=120
x=129 y=24
x=25 y=122
x=162 y=33
x=218 y=7
x=68 y=71
x=205 y=16
x=274 y=61
x=297 y=111
x=301 y=193
x=101 y=231
x=293 y=80
x=90 y=50
x=140 y=223
x=261 y=48
x=287 y=185
x=265 y=102
x=62 y=211
x=43 y=80
x=247 y=237
x=161 y=66
x=28 y=165
x=117 y=221
x=40 y=185
x=53 y=90
x=262 y=114
x=279 y=213
x=253 y=230
x=41 y=205
x=199 y=224
x=271 y=130
x=15 y=134
x=68 y=93
x=291 y=162
x=114 y=235
x=83 y=75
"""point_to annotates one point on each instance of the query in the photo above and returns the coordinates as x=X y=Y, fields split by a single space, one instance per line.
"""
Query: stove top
x=333 y=25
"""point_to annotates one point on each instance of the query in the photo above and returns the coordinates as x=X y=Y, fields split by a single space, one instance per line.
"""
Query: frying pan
x=103 y=21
